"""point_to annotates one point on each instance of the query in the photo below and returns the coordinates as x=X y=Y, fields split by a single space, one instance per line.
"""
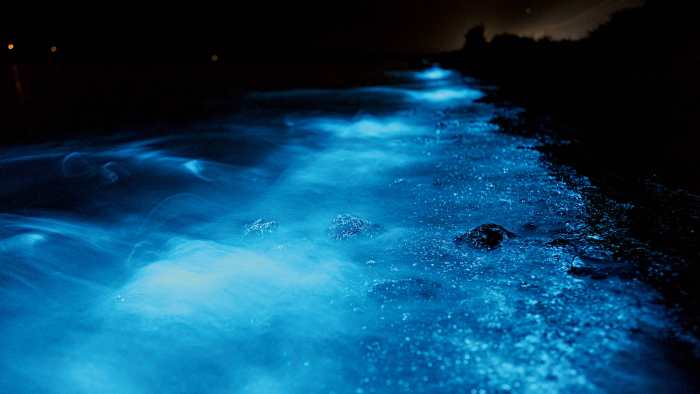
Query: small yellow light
x=53 y=49
x=214 y=58
x=10 y=46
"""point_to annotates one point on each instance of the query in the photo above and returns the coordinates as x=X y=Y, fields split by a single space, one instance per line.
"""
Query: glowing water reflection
x=444 y=95
x=308 y=249
x=368 y=126
x=434 y=73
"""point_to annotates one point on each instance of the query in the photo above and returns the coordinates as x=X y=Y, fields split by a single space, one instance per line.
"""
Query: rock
x=411 y=288
x=486 y=236
x=558 y=243
x=591 y=272
x=260 y=227
x=593 y=268
x=349 y=226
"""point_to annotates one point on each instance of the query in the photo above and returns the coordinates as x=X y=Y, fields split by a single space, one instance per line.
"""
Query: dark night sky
x=381 y=26
x=439 y=25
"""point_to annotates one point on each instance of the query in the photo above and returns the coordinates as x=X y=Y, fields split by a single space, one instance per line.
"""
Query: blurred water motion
x=309 y=249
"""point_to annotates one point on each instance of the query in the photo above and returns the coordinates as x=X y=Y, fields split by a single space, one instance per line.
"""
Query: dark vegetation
x=620 y=107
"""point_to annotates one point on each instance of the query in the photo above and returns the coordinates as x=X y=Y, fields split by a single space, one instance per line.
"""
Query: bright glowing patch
x=196 y=167
x=433 y=74
x=445 y=95
x=366 y=126
x=209 y=283
x=19 y=242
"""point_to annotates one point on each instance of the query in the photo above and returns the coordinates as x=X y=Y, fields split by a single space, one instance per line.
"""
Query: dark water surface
x=306 y=246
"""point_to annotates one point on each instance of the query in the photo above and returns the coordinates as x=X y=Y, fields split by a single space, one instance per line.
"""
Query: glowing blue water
x=434 y=73
x=308 y=249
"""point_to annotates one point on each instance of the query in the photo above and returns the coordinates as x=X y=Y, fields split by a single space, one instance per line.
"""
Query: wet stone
x=403 y=289
x=589 y=269
x=558 y=243
x=486 y=236
x=349 y=226
x=590 y=272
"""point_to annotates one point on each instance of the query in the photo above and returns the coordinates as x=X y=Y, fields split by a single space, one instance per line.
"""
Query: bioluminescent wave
x=310 y=248
x=434 y=73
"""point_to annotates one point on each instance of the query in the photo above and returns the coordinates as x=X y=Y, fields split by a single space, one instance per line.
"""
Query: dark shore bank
x=620 y=108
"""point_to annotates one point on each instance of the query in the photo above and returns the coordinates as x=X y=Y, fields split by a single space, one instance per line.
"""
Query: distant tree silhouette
x=475 y=39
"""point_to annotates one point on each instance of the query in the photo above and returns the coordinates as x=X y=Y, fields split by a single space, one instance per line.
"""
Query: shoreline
x=625 y=213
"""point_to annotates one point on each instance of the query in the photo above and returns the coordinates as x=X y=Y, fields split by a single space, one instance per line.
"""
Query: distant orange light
x=214 y=58
x=10 y=46
x=53 y=49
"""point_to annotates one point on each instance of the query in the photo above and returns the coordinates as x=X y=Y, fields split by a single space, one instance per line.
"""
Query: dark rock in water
x=486 y=236
x=559 y=242
x=513 y=123
x=412 y=288
x=590 y=272
x=349 y=226
x=598 y=269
